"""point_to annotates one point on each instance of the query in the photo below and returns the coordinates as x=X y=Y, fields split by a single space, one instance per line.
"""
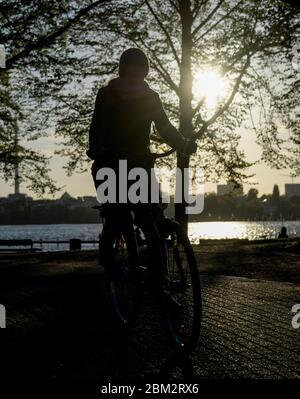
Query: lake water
x=197 y=231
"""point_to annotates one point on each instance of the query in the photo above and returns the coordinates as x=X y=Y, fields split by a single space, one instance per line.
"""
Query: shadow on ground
x=60 y=328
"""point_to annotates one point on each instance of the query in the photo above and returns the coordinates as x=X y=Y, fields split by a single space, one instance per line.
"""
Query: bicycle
x=175 y=279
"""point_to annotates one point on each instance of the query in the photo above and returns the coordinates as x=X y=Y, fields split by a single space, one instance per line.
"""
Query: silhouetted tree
x=250 y=42
x=252 y=194
x=34 y=35
x=242 y=39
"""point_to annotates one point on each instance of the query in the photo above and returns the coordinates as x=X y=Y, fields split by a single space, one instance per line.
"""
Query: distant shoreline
x=200 y=221
x=55 y=233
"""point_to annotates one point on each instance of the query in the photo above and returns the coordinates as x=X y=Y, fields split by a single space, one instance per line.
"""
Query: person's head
x=133 y=64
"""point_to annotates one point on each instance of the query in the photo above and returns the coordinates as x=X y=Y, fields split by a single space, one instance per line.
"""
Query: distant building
x=67 y=200
x=229 y=188
x=66 y=197
x=16 y=198
x=88 y=201
x=292 y=189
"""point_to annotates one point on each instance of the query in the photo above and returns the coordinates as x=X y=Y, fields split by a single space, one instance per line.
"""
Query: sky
x=82 y=184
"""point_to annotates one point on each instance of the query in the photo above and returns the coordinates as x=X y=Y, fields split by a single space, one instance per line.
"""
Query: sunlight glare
x=211 y=85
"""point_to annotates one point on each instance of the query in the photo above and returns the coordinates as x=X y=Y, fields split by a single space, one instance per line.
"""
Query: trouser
x=118 y=220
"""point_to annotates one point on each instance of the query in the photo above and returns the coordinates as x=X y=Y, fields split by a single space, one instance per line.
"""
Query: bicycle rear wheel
x=180 y=289
x=123 y=285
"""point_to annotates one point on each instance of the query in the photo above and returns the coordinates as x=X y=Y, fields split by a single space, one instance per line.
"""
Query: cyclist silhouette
x=121 y=126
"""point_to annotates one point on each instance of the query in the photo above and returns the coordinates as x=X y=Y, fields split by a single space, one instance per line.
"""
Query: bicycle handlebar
x=163 y=154
x=172 y=150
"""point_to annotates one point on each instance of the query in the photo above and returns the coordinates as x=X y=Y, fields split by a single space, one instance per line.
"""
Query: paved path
x=58 y=328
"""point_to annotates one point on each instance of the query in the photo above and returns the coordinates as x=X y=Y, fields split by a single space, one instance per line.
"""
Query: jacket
x=121 y=122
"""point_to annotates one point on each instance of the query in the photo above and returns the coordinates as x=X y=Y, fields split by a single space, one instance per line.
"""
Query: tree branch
x=197 y=7
x=227 y=104
x=210 y=15
x=168 y=37
x=46 y=40
x=232 y=95
x=199 y=105
x=218 y=22
x=173 y=4
x=160 y=68
x=166 y=76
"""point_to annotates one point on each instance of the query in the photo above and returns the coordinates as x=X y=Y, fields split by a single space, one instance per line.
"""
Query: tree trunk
x=185 y=98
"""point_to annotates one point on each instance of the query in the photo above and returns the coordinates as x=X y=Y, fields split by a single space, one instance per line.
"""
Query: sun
x=211 y=85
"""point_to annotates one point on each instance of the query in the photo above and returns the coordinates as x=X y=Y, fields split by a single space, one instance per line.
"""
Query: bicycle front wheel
x=180 y=289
